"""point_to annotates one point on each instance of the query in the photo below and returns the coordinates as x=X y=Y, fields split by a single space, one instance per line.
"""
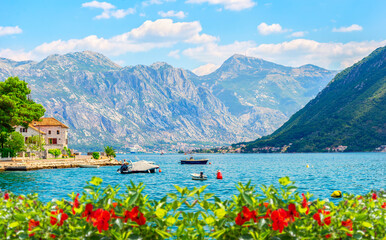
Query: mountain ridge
x=104 y=103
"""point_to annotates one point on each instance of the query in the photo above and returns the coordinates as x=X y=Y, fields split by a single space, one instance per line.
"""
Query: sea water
x=356 y=173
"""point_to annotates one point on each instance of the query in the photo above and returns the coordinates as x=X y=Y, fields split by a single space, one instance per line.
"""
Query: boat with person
x=199 y=176
x=191 y=160
x=137 y=167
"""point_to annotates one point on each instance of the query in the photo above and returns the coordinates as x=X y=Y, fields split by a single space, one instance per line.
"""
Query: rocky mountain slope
x=350 y=111
x=104 y=103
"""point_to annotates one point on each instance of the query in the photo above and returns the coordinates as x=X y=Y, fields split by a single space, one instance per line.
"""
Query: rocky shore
x=37 y=164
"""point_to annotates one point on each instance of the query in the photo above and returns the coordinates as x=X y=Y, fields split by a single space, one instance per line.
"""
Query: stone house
x=54 y=132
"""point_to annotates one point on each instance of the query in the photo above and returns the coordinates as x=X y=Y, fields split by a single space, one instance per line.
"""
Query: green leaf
x=160 y=213
x=96 y=181
x=220 y=213
x=247 y=198
x=14 y=224
x=367 y=224
x=133 y=198
x=284 y=181
x=163 y=234
x=172 y=196
x=170 y=221
x=209 y=220
x=208 y=195
x=178 y=189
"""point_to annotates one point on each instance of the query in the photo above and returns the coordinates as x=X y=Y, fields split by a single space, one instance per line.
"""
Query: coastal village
x=47 y=147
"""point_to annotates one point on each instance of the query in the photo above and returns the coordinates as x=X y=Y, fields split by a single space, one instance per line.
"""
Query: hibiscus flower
x=292 y=213
x=76 y=203
x=279 y=220
x=31 y=225
x=88 y=212
x=63 y=217
x=101 y=221
x=305 y=204
x=245 y=215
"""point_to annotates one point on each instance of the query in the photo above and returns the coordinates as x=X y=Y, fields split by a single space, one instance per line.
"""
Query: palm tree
x=110 y=151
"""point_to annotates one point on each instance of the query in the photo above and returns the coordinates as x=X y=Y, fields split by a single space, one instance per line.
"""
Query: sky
x=198 y=35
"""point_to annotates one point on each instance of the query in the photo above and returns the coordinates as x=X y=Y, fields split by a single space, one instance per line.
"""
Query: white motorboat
x=138 y=167
x=88 y=166
x=199 y=176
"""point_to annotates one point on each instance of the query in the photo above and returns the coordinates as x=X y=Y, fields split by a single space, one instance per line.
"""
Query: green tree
x=56 y=152
x=95 y=155
x=15 y=142
x=110 y=151
x=4 y=135
x=16 y=108
x=33 y=143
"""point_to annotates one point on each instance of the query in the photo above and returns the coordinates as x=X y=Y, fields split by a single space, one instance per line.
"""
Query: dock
x=37 y=164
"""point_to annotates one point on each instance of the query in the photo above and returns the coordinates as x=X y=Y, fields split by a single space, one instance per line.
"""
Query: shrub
x=103 y=213
x=95 y=155
x=56 y=152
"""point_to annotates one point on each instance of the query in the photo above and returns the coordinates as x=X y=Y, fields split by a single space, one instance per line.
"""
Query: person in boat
x=191 y=158
x=201 y=174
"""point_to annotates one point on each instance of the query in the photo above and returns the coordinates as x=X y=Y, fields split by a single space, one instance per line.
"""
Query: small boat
x=201 y=176
x=138 y=167
x=194 y=161
x=88 y=166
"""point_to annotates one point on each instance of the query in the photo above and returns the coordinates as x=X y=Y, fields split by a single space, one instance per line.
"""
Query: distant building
x=54 y=132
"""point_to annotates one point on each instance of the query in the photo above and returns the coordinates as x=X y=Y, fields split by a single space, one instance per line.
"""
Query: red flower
x=115 y=205
x=20 y=197
x=383 y=205
x=53 y=236
x=63 y=217
x=348 y=225
x=292 y=213
x=245 y=215
x=316 y=217
x=360 y=198
x=112 y=212
x=31 y=225
x=76 y=203
x=6 y=196
x=266 y=205
x=279 y=219
x=135 y=215
x=327 y=220
x=305 y=204
x=88 y=212
x=327 y=236
x=374 y=196
x=102 y=218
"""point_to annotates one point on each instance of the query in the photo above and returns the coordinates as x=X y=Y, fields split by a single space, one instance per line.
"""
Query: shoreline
x=38 y=164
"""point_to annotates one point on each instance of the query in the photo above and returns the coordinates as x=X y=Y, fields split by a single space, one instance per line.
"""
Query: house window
x=58 y=132
x=52 y=141
x=49 y=132
x=23 y=129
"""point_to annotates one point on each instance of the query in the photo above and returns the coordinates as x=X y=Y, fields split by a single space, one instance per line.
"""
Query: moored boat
x=88 y=166
x=138 y=167
x=194 y=161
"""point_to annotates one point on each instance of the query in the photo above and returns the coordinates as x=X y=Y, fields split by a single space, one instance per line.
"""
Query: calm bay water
x=356 y=173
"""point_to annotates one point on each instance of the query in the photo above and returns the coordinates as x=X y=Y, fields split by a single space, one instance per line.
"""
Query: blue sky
x=195 y=34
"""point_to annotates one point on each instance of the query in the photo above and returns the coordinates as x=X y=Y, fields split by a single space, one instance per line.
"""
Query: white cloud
x=17 y=55
x=266 y=29
x=174 y=54
x=158 y=34
x=292 y=53
x=10 y=30
x=155 y=2
x=109 y=10
x=205 y=69
x=298 y=34
x=172 y=13
x=235 y=5
x=354 y=27
x=96 y=4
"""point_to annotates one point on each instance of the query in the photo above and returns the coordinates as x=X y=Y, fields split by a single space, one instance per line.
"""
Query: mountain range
x=157 y=105
x=350 y=112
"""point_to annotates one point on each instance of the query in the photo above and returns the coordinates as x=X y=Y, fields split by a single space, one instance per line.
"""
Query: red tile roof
x=49 y=121
x=34 y=128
